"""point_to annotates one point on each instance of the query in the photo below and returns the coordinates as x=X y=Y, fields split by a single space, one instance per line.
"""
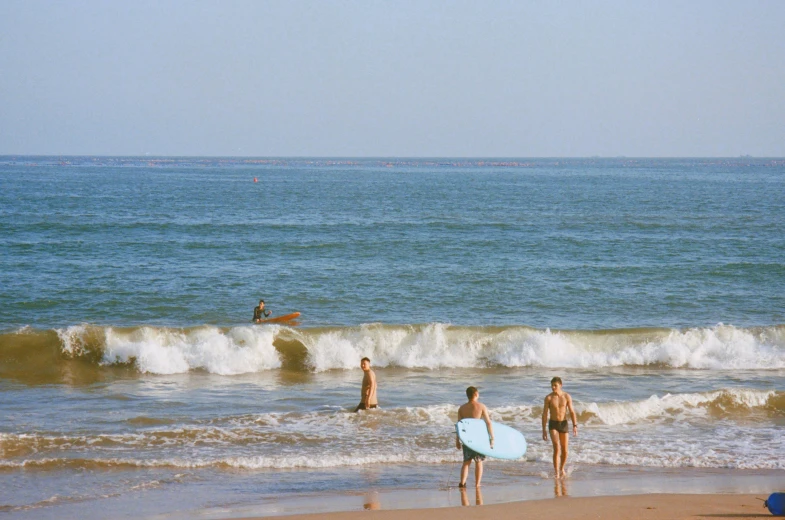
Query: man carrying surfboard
x=473 y=409
x=368 y=392
x=259 y=313
x=557 y=403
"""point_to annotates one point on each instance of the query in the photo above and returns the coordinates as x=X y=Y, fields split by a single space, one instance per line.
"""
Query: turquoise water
x=132 y=381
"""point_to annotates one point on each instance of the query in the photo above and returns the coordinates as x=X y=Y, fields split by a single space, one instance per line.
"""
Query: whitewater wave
x=724 y=428
x=426 y=423
x=258 y=462
x=586 y=456
x=731 y=455
x=729 y=447
x=244 y=349
x=730 y=403
x=170 y=351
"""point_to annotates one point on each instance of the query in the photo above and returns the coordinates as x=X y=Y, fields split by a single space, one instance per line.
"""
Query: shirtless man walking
x=368 y=392
x=473 y=409
x=557 y=403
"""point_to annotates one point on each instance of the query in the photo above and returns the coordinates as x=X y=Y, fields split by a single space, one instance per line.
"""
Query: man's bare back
x=472 y=410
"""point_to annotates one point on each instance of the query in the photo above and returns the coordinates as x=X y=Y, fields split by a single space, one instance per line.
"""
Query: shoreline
x=632 y=507
x=701 y=491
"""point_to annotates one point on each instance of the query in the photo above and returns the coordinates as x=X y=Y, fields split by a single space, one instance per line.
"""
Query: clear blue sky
x=393 y=78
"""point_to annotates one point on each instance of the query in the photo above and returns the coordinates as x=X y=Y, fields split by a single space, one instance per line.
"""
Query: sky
x=551 y=78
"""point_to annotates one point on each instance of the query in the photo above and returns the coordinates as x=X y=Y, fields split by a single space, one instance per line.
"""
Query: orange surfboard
x=280 y=319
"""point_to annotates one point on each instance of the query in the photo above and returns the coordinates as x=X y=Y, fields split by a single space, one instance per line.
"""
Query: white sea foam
x=440 y=346
x=670 y=405
x=722 y=446
x=720 y=347
x=24 y=329
x=73 y=339
x=167 y=351
x=170 y=351
x=255 y=462
x=433 y=346
x=673 y=430
x=430 y=346
x=735 y=448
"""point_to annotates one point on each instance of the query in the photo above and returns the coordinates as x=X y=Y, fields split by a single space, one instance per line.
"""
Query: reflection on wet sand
x=560 y=488
x=371 y=502
x=465 y=496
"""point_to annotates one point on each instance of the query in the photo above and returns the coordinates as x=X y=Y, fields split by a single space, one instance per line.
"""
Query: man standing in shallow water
x=368 y=392
x=557 y=403
x=473 y=409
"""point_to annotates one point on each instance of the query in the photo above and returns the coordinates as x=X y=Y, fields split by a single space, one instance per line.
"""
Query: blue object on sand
x=776 y=504
x=507 y=442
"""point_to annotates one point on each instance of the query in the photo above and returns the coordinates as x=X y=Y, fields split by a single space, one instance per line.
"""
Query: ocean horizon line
x=390 y=157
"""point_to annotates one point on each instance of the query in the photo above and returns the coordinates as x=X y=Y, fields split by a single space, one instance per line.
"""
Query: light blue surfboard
x=507 y=442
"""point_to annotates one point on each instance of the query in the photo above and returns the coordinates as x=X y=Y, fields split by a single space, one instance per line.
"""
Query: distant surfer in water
x=473 y=409
x=259 y=313
x=557 y=403
x=368 y=392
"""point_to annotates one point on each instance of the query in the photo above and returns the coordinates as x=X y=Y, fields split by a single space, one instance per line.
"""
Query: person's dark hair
x=556 y=380
x=365 y=359
x=471 y=392
x=261 y=301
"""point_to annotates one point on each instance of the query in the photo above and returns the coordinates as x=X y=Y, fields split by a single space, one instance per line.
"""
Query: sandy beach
x=633 y=507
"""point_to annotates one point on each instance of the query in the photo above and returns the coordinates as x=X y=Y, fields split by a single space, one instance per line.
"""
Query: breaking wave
x=243 y=349
x=726 y=403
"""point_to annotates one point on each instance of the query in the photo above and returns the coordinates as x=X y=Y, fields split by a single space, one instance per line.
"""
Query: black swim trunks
x=470 y=454
x=559 y=426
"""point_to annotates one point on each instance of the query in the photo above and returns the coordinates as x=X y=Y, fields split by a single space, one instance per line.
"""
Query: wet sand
x=605 y=493
x=632 y=507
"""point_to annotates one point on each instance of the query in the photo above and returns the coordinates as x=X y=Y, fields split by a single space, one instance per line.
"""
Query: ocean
x=134 y=385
